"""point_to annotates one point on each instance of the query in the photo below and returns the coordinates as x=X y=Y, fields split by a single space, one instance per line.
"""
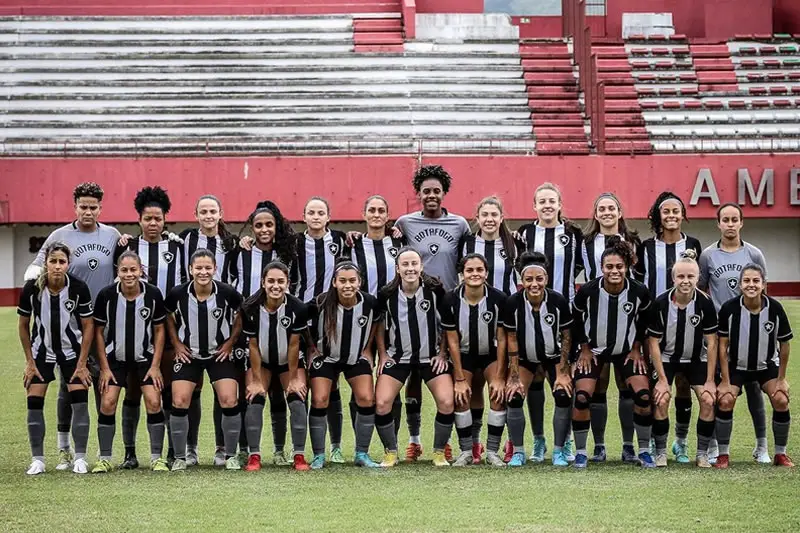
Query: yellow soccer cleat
x=439 y=459
x=389 y=459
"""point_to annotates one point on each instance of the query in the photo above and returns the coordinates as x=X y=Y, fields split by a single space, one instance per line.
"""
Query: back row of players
x=301 y=309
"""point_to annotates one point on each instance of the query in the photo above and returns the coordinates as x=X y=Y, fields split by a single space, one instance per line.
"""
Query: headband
x=347 y=265
x=671 y=198
x=534 y=265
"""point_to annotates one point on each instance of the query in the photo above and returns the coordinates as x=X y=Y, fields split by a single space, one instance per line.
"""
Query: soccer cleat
x=336 y=456
x=232 y=463
x=159 y=465
x=713 y=451
x=761 y=456
x=318 y=462
x=279 y=459
x=661 y=460
x=781 y=459
x=581 y=461
x=477 y=453
x=65 y=458
x=363 y=459
x=599 y=455
x=448 y=453
x=629 y=454
x=80 y=466
x=192 y=459
x=130 y=462
x=413 y=452
x=518 y=459
x=243 y=458
x=440 y=459
x=37 y=467
x=539 y=449
x=652 y=447
x=723 y=461
x=299 y=463
x=389 y=459
x=702 y=461
x=219 y=457
x=646 y=460
x=102 y=467
x=253 y=463
x=463 y=459
x=493 y=459
x=679 y=451
x=559 y=459
x=178 y=465
x=569 y=454
x=508 y=451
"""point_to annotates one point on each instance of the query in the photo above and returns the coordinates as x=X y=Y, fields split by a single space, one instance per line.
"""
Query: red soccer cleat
x=508 y=452
x=253 y=463
x=413 y=452
x=300 y=463
x=723 y=461
x=781 y=459
x=448 y=453
x=477 y=453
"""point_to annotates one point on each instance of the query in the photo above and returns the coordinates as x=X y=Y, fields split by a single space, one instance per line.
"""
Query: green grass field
x=609 y=497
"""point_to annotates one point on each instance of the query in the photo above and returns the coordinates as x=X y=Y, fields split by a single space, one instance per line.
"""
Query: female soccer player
x=345 y=320
x=163 y=266
x=477 y=345
x=274 y=240
x=682 y=337
x=410 y=303
x=656 y=256
x=203 y=331
x=62 y=332
x=720 y=267
x=561 y=242
x=607 y=222
x=754 y=335
x=537 y=321
x=129 y=330
x=611 y=317
x=274 y=321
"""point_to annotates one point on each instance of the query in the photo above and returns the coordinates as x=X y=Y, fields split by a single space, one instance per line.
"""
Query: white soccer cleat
x=761 y=456
x=80 y=466
x=191 y=457
x=464 y=459
x=64 y=460
x=219 y=457
x=37 y=467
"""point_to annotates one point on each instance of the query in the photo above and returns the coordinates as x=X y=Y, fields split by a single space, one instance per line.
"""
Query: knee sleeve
x=35 y=403
x=259 y=400
x=642 y=398
x=582 y=400
x=517 y=401
x=561 y=398
x=155 y=418
x=79 y=396
x=293 y=398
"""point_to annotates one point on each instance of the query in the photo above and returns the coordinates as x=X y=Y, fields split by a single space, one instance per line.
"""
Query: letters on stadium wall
x=760 y=193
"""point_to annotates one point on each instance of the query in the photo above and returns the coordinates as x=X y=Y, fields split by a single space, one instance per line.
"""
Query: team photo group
x=274 y=317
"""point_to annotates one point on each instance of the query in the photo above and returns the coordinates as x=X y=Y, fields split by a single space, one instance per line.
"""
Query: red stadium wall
x=449 y=6
x=786 y=16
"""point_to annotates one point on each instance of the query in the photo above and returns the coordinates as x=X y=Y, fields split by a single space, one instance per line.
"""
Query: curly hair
x=431 y=172
x=654 y=215
x=284 y=243
x=152 y=197
x=88 y=189
x=616 y=246
x=529 y=258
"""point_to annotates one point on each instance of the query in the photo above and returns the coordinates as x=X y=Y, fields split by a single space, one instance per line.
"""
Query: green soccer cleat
x=65 y=459
x=232 y=463
x=159 y=465
x=279 y=459
x=318 y=462
x=178 y=465
x=336 y=456
x=102 y=467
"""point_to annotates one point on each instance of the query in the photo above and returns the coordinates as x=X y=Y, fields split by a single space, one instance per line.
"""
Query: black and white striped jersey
x=538 y=332
x=376 y=261
x=162 y=261
x=129 y=324
x=753 y=339
x=656 y=259
x=194 y=240
x=476 y=324
x=502 y=275
x=591 y=253
x=681 y=331
x=57 y=332
x=247 y=267
x=273 y=331
x=315 y=261
x=203 y=326
x=353 y=326
x=562 y=247
x=611 y=322
x=413 y=324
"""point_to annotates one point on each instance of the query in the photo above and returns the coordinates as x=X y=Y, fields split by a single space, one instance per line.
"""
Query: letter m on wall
x=765 y=185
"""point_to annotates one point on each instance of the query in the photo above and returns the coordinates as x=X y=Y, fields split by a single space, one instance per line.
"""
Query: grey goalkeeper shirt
x=720 y=270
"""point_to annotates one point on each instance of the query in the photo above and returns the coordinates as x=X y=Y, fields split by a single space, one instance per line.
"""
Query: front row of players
x=505 y=339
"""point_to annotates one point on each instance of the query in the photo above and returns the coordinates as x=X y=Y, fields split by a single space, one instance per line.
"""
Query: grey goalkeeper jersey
x=92 y=259
x=720 y=270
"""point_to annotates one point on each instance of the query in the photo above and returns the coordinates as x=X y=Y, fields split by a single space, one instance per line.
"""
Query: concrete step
x=202 y=100
x=189 y=71
x=12 y=45
x=155 y=24
x=294 y=45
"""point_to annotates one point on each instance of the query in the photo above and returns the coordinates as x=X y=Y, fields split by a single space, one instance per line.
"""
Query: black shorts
x=277 y=370
x=548 y=365
x=193 y=371
x=48 y=370
x=325 y=369
x=743 y=377
x=695 y=373
x=621 y=366
x=400 y=372
x=477 y=363
x=121 y=370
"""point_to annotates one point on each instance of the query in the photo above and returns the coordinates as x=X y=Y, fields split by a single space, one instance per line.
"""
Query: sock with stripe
x=413 y=419
x=705 y=429
x=155 y=429
x=724 y=427
x=195 y=414
x=385 y=426
x=661 y=434
x=758 y=412
x=535 y=401
x=494 y=428
x=80 y=421
x=516 y=424
x=219 y=434
x=463 y=421
x=365 y=426
x=580 y=430
x=131 y=410
x=179 y=428
x=683 y=418
x=254 y=424
x=36 y=426
x=397 y=413
x=335 y=418
x=106 y=429
x=63 y=415
x=231 y=428
x=299 y=415
x=442 y=428
x=643 y=425
x=781 y=421
x=598 y=409
x=277 y=412
x=477 y=424
x=562 y=418
x=318 y=427
x=625 y=411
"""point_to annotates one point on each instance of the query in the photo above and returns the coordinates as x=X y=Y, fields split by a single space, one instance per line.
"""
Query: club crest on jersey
x=563 y=239
x=177 y=367
x=503 y=254
x=239 y=353
x=549 y=319
x=487 y=316
x=694 y=320
x=217 y=313
x=93 y=263
x=333 y=248
x=69 y=305
x=168 y=257
x=627 y=308
x=424 y=305
x=362 y=321
x=732 y=283
x=389 y=364
x=144 y=312
x=433 y=248
x=393 y=252
x=286 y=322
x=769 y=326
x=317 y=364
